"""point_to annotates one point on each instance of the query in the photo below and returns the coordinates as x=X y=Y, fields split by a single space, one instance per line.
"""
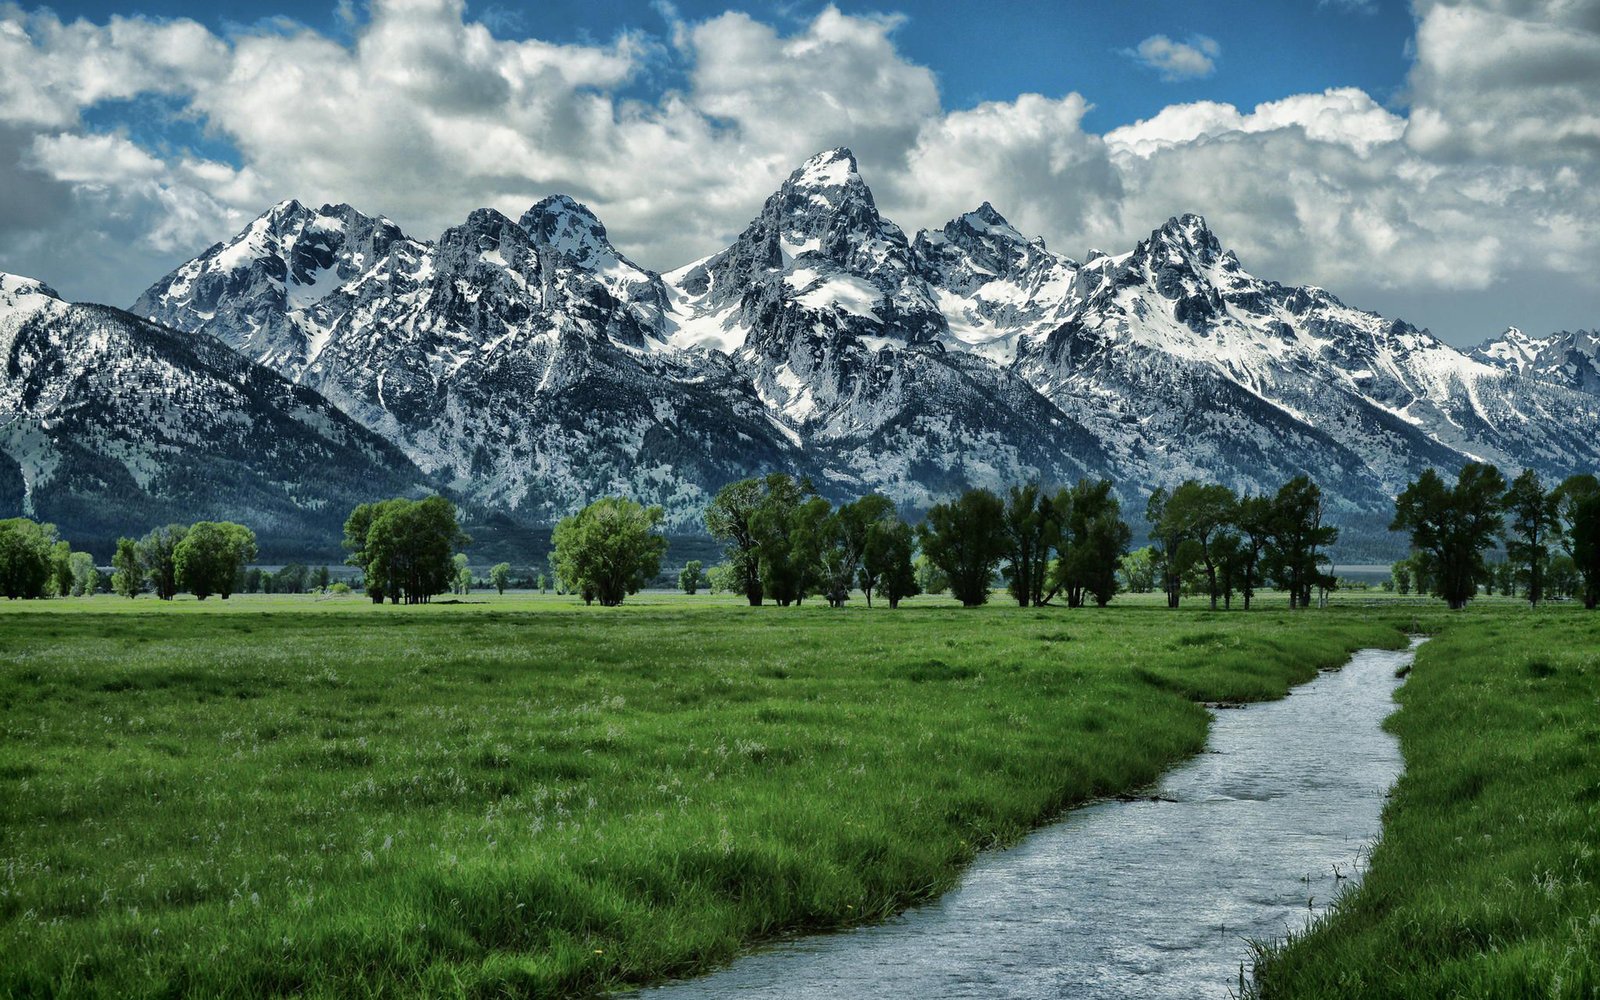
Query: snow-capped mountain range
x=111 y=425
x=1567 y=358
x=529 y=365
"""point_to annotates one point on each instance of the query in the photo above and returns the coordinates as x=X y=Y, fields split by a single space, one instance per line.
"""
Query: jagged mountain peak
x=835 y=167
x=822 y=194
x=551 y=218
x=288 y=208
x=986 y=223
x=1569 y=358
x=1188 y=234
x=1512 y=342
x=482 y=222
x=566 y=226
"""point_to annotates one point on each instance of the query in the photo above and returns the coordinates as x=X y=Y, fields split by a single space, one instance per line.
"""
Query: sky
x=1435 y=161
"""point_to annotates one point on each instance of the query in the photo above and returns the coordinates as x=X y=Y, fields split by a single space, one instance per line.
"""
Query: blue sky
x=980 y=51
x=1436 y=160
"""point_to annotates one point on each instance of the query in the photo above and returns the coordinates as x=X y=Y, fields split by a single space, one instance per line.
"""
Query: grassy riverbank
x=1487 y=879
x=277 y=798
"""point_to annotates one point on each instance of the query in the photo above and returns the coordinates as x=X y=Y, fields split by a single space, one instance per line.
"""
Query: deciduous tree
x=1031 y=528
x=889 y=560
x=1532 y=520
x=731 y=519
x=1092 y=538
x=85 y=575
x=209 y=557
x=610 y=549
x=1198 y=512
x=27 y=558
x=405 y=547
x=1298 y=538
x=1453 y=526
x=1584 y=534
x=845 y=538
x=156 y=556
x=127 y=574
x=964 y=538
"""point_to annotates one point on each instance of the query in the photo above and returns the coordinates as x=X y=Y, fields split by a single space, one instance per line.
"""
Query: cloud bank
x=1486 y=180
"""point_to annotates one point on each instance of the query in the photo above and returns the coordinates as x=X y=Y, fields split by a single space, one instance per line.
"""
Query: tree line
x=35 y=562
x=784 y=543
x=1453 y=527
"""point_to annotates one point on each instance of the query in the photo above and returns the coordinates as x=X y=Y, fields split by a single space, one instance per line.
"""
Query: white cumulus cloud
x=1175 y=61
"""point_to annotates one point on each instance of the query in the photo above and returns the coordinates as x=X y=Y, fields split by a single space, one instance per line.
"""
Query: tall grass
x=1487 y=880
x=250 y=799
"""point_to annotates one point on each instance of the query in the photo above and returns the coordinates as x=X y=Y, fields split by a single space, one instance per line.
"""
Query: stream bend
x=1143 y=899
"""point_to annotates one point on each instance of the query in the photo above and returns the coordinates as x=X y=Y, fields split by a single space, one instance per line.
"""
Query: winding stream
x=1149 y=898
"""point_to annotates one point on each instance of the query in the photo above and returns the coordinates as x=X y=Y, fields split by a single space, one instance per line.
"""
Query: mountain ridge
x=530 y=365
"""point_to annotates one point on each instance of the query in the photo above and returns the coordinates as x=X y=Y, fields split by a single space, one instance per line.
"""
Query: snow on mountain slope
x=22 y=297
x=1567 y=359
x=844 y=339
x=819 y=263
x=260 y=292
x=513 y=360
x=995 y=287
x=112 y=425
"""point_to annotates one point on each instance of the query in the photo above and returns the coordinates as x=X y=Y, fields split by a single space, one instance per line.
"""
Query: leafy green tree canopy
x=752 y=518
x=1453 y=526
x=85 y=574
x=211 y=557
x=127 y=573
x=405 y=547
x=27 y=558
x=966 y=540
x=1533 y=520
x=610 y=549
x=157 y=556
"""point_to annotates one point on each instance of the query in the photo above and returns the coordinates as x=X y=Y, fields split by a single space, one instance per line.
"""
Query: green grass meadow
x=522 y=796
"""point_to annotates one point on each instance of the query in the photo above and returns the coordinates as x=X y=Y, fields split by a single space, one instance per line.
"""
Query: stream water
x=1148 y=898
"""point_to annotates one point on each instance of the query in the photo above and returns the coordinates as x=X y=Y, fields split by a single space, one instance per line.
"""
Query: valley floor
x=524 y=796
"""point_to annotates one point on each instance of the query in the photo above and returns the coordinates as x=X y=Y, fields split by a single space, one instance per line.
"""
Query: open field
x=280 y=795
x=453 y=799
x=1487 y=880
